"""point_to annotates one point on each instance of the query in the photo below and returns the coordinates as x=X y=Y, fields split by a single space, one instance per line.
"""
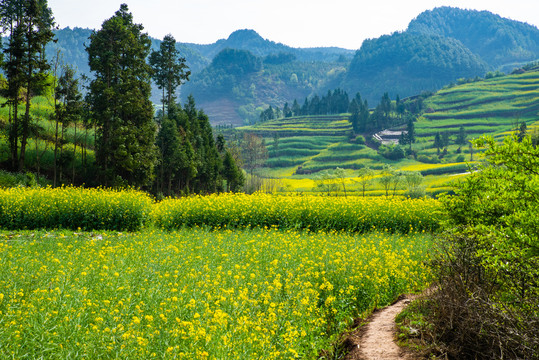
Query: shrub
x=487 y=305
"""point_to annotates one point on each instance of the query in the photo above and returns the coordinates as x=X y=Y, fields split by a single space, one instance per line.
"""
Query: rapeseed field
x=196 y=293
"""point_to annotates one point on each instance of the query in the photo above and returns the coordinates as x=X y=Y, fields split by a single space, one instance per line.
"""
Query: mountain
x=311 y=65
x=407 y=63
x=251 y=41
x=238 y=85
x=498 y=41
x=439 y=47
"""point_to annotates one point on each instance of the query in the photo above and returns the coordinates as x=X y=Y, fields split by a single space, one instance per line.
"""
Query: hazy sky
x=298 y=23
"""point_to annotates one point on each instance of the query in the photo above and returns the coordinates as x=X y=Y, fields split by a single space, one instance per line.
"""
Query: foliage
x=29 y=26
x=168 y=70
x=409 y=63
x=303 y=212
x=119 y=99
x=489 y=288
x=73 y=208
x=499 y=41
x=254 y=152
x=196 y=294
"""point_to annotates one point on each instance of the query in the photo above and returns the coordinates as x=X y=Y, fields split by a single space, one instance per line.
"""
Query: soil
x=376 y=340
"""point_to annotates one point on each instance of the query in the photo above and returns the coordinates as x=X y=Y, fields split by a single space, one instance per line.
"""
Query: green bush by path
x=73 y=208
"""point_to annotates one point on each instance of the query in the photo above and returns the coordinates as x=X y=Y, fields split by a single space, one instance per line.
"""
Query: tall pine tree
x=119 y=98
x=169 y=70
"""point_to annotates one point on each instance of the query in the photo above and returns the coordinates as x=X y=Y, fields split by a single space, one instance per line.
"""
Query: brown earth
x=376 y=340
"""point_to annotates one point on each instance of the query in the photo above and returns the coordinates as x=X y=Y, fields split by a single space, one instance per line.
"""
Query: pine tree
x=119 y=98
x=461 y=137
x=169 y=69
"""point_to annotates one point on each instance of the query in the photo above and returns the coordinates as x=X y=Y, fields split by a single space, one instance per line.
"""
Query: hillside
x=498 y=41
x=406 y=64
x=300 y=147
x=245 y=84
x=491 y=106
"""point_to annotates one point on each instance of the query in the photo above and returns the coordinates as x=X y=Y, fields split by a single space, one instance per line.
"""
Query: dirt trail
x=376 y=341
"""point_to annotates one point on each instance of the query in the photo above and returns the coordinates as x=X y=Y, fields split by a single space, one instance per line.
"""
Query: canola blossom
x=356 y=214
x=196 y=293
x=73 y=208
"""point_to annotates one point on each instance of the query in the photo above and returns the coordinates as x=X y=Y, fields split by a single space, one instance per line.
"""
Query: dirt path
x=376 y=340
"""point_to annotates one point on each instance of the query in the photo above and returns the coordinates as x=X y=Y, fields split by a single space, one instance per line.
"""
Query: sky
x=297 y=23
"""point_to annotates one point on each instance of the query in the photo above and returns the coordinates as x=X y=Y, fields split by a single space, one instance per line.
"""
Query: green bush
x=487 y=305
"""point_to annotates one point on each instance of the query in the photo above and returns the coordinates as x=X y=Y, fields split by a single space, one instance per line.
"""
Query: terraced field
x=308 y=145
x=493 y=106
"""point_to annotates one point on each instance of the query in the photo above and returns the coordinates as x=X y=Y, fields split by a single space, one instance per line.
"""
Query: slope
x=498 y=41
x=300 y=147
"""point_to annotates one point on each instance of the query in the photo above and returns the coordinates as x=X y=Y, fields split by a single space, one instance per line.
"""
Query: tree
x=445 y=139
x=296 y=109
x=461 y=137
x=325 y=181
x=29 y=24
x=438 y=141
x=413 y=180
x=287 y=112
x=232 y=173
x=119 y=98
x=340 y=175
x=171 y=156
x=354 y=110
x=410 y=132
x=169 y=69
x=365 y=176
x=220 y=143
x=386 y=179
x=68 y=110
x=522 y=131
x=254 y=152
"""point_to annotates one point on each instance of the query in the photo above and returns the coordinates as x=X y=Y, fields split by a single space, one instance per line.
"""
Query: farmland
x=300 y=148
x=230 y=276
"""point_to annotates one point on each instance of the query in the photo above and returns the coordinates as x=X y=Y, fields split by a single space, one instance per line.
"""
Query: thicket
x=487 y=303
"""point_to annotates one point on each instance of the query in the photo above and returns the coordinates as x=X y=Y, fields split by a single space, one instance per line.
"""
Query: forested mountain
x=238 y=85
x=405 y=64
x=219 y=72
x=251 y=41
x=71 y=44
x=497 y=40
x=439 y=47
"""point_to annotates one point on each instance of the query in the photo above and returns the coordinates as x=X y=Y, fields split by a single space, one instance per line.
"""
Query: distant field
x=308 y=145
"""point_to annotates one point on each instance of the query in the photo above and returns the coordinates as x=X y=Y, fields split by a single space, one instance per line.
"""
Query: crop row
x=300 y=212
x=94 y=209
